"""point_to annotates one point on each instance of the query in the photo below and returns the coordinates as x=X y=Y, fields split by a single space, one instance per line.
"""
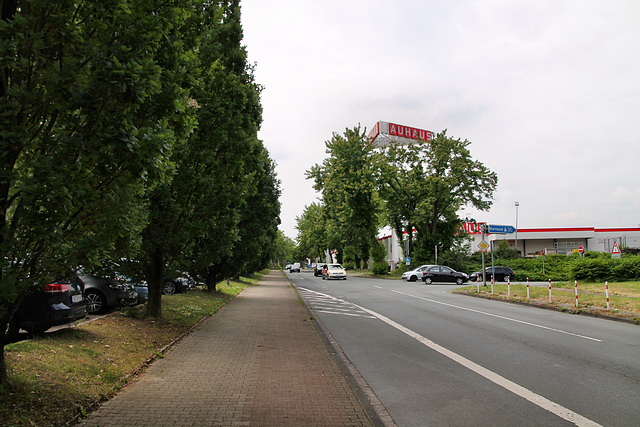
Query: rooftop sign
x=384 y=132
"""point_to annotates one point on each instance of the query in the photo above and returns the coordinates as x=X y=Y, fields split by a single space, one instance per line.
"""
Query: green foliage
x=504 y=250
x=380 y=268
x=349 y=265
x=596 y=266
x=346 y=180
x=217 y=216
x=282 y=249
x=608 y=269
x=424 y=185
x=128 y=129
x=377 y=252
x=312 y=236
x=457 y=258
x=89 y=112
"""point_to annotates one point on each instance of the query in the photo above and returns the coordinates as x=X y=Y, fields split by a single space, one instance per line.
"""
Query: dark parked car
x=143 y=292
x=317 y=270
x=501 y=274
x=441 y=273
x=46 y=306
x=294 y=267
x=177 y=285
x=103 y=294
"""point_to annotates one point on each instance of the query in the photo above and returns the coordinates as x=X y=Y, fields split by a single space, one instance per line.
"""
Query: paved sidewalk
x=260 y=361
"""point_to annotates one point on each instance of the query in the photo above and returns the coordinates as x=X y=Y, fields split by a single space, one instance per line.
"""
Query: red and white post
x=509 y=287
x=606 y=287
x=576 y=282
x=492 y=284
x=527 y=288
x=549 y=290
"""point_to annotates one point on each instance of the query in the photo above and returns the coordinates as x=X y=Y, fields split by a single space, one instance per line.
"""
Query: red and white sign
x=384 y=132
x=472 y=227
x=409 y=132
x=615 y=251
x=581 y=249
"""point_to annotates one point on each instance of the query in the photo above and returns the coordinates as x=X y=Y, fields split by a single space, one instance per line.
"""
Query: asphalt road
x=435 y=358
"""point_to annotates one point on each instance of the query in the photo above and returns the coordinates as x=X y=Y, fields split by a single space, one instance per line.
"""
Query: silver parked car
x=415 y=274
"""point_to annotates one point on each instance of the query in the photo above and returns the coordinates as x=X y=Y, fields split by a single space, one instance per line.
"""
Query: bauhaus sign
x=409 y=132
x=384 y=132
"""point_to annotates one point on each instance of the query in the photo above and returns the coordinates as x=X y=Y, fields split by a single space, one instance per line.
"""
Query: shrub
x=592 y=270
x=380 y=268
x=377 y=252
x=349 y=265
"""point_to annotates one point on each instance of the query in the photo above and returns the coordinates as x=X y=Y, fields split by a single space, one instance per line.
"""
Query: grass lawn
x=624 y=298
x=63 y=374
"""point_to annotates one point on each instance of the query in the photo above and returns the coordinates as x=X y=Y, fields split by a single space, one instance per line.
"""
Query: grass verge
x=60 y=375
x=624 y=298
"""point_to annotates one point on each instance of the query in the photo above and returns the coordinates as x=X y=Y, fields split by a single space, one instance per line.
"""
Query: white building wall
x=532 y=242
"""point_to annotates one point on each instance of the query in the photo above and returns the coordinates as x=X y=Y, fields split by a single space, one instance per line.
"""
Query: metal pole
x=484 y=276
x=517 y=205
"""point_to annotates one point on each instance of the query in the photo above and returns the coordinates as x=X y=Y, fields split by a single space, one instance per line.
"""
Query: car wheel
x=428 y=281
x=459 y=281
x=13 y=328
x=169 y=288
x=505 y=278
x=323 y=278
x=413 y=278
x=96 y=302
x=344 y=278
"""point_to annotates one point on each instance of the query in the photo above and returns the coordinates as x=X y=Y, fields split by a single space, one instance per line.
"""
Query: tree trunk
x=4 y=377
x=155 y=276
x=210 y=280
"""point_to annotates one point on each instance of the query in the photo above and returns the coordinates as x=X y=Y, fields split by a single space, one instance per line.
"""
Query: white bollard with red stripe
x=527 y=288
x=508 y=286
x=492 y=284
x=549 y=290
x=576 y=294
x=606 y=286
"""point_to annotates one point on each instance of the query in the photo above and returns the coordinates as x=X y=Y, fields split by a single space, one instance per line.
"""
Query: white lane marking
x=345 y=314
x=500 y=317
x=517 y=389
x=323 y=303
x=532 y=397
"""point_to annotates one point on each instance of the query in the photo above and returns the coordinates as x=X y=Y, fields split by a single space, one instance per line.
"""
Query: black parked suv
x=502 y=274
x=46 y=306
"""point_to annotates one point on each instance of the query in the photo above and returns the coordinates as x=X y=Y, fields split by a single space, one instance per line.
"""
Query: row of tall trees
x=420 y=186
x=128 y=130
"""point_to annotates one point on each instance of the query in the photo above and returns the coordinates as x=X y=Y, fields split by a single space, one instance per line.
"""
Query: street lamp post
x=517 y=205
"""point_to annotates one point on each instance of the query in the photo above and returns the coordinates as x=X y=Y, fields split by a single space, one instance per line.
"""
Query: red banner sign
x=409 y=132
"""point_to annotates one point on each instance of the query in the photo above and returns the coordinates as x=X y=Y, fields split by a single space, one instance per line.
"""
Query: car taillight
x=56 y=288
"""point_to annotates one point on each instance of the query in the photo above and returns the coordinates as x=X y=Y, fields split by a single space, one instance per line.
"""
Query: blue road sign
x=501 y=229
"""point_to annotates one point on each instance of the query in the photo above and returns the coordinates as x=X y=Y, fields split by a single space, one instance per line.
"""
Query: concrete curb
x=375 y=410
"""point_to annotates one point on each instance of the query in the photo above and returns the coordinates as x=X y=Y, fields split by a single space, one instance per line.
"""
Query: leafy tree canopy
x=425 y=184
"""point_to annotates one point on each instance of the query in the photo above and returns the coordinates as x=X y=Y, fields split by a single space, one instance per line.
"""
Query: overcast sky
x=547 y=92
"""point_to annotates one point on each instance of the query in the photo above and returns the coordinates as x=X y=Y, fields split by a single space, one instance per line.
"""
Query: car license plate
x=76 y=298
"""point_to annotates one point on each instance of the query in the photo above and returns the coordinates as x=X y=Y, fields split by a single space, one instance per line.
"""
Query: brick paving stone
x=260 y=361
